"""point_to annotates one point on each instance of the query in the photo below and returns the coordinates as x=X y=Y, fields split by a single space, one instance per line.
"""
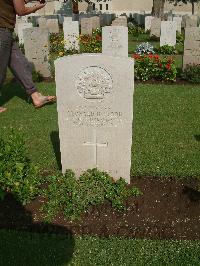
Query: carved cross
x=96 y=145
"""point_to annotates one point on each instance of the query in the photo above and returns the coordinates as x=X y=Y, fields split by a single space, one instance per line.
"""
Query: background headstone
x=95 y=113
x=36 y=45
x=52 y=25
x=191 y=46
x=178 y=21
x=191 y=21
x=42 y=23
x=20 y=30
x=86 y=26
x=95 y=22
x=71 y=35
x=148 y=20
x=115 y=41
x=155 y=27
x=168 y=33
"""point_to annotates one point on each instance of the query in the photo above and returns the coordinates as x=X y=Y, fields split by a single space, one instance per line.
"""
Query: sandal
x=2 y=109
x=45 y=100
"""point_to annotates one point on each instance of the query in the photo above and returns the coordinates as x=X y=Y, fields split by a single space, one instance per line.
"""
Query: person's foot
x=40 y=100
x=2 y=109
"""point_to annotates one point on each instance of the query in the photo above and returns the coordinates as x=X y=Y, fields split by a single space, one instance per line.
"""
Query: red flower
x=156 y=56
x=98 y=38
x=136 y=56
x=160 y=65
x=150 y=56
x=168 y=66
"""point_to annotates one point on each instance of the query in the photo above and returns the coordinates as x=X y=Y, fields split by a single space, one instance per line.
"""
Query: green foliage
x=191 y=73
x=91 y=44
x=36 y=76
x=17 y=175
x=2 y=194
x=74 y=197
x=152 y=67
x=166 y=50
x=179 y=38
x=135 y=30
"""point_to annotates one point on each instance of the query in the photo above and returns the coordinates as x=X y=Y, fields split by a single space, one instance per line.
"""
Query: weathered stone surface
x=71 y=35
x=191 y=21
x=120 y=21
x=95 y=22
x=52 y=25
x=178 y=21
x=36 y=44
x=148 y=20
x=86 y=26
x=168 y=33
x=155 y=27
x=42 y=23
x=115 y=41
x=95 y=113
x=20 y=30
x=191 y=46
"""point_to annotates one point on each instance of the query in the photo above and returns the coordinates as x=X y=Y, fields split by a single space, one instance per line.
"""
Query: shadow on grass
x=56 y=147
x=197 y=137
x=10 y=90
x=25 y=242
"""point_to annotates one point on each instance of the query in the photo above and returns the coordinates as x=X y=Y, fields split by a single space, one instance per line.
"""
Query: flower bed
x=148 y=67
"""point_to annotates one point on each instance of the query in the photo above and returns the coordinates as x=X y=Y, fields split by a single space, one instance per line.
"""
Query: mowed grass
x=166 y=129
x=22 y=249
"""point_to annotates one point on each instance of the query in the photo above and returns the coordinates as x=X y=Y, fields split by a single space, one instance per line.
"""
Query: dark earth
x=168 y=209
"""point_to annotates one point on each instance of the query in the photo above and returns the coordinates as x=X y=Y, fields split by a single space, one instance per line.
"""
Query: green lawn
x=25 y=249
x=166 y=135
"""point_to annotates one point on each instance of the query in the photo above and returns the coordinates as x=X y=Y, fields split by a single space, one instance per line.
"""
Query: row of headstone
x=95 y=122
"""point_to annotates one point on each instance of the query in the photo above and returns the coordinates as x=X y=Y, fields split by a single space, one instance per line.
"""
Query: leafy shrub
x=192 y=73
x=91 y=44
x=148 y=67
x=74 y=197
x=166 y=50
x=179 y=38
x=135 y=30
x=144 y=48
x=17 y=174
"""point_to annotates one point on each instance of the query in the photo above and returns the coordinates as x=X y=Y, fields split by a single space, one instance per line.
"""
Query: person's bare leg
x=20 y=67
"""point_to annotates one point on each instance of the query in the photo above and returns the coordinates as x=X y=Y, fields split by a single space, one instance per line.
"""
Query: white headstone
x=36 y=44
x=86 y=26
x=95 y=22
x=95 y=113
x=20 y=30
x=52 y=25
x=71 y=35
x=155 y=27
x=178 y=21
x=148 y=20
x=42 y=23
x=168 y=33
x=191 y=46
x=115 y=41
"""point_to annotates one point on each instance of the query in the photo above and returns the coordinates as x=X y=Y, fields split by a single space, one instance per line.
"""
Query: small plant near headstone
x=191 y=73
x=144 y=48
x=166 y=50
x=135 y=30
x=74 y=196
x=153 y=67
x=17 y=176
x=179 y=38
x=91 y=44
